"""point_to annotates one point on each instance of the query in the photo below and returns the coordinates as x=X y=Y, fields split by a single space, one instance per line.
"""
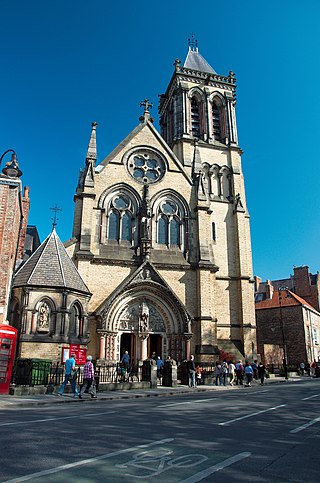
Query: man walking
x=69 y=373
x=88 y=379
x=191 y=372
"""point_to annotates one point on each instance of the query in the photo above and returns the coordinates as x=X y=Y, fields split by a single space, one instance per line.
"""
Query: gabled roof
x=288 y=299
x=127 y=142
x=194 y=60
x=50 y=266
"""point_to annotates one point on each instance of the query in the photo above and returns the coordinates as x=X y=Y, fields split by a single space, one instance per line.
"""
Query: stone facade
x=161 y=232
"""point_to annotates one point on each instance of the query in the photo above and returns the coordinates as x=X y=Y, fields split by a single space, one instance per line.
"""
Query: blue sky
x=66 y=64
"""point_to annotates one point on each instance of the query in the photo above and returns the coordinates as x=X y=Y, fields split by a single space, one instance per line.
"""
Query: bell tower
x=198 y=104
x=198 y=121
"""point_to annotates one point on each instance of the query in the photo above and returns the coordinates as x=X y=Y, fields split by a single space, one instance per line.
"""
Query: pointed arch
x=119 y=207
x=171 y=213
x=76 y=321
x=218 y=118
x=45 y=308
x=197 y=113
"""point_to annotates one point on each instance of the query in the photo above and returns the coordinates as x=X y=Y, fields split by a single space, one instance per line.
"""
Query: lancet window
x=170 y=222
x=216 y=121
x=119 y=217
x=195 y=117
x=76 y=320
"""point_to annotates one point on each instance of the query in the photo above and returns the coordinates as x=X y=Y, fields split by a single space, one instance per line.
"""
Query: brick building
x=14 y=209
x=287 y=325
x=161 y=234
x=302 y=283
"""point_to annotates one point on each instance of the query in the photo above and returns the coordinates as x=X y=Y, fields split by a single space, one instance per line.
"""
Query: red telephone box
x=8 y=342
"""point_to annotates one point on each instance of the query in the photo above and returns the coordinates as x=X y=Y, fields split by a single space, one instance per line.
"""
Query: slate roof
x=288 y=299
x=194 y=60
x=50 y=266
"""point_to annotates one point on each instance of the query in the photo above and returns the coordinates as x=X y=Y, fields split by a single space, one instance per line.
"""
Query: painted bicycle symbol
x=159 y=460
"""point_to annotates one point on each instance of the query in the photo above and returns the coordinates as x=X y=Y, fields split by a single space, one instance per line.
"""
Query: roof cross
x=146 y=115
x=55 y=219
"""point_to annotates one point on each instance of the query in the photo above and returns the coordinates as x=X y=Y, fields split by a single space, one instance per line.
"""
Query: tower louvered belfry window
x=216 y=121
x=195 y=117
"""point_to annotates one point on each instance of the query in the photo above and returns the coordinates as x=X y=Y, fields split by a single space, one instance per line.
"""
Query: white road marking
x=87 y=461
x=251 y=415
x=16 y=423
x=185 y=402
x=305 y=426
x=213 y=469
x=310 y=397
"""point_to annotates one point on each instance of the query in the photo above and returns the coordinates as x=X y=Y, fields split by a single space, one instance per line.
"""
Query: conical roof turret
x=50 y=266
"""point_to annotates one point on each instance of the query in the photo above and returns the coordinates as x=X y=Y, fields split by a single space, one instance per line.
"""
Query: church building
x=161 y=233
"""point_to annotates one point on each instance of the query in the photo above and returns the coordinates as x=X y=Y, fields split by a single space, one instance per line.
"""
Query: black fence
x=35 y=372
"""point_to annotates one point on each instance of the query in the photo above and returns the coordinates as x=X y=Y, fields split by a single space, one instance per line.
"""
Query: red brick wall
x=10 y=216
x=302 y=286
x=25 y=211
x=269 y=331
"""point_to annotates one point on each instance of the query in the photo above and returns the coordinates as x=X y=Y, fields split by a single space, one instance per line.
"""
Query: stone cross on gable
x=146 y=105
x=146 y=115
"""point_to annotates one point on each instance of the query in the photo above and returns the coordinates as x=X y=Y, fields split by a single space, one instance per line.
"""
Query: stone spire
x=91 y=158
x=92 y=148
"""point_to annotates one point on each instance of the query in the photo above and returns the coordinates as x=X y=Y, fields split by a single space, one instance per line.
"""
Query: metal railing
x=30 y=372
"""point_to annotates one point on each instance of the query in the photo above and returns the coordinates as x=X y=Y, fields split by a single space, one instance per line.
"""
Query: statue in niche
x=43 y=318
x=144 y=317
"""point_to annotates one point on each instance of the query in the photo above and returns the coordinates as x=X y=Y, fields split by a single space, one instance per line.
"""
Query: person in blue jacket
x=69 y=373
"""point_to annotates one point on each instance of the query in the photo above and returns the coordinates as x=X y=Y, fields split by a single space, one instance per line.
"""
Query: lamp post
x=11 y=169
x=283 y=338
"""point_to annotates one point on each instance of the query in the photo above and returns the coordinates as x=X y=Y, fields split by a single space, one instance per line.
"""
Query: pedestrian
x=198 y=375
x=191 y=372
x=308 y=369
x=218 y=374
x=70 y=376
x=231 y=370
x=261 y=373
x=159 y=363
x=249 y=373
x=239 y=373
x=302 y=366
x=125 y=360
x=313 y=368
x=88 y=379
x=224 y=372
x=254 y=366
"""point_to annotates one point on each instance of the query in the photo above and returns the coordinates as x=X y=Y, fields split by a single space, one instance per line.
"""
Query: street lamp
x=283 y=338
x=11 y=168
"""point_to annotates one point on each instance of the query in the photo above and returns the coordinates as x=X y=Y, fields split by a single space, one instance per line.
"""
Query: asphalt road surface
x=257 y=434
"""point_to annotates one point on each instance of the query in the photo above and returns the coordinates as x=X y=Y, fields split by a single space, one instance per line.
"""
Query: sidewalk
x=7 y=402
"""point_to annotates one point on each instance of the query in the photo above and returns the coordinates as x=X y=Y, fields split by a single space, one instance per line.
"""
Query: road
x=259 y=434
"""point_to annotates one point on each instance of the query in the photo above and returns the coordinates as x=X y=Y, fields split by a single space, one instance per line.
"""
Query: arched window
x=170 y=222
x=216 y=121
x=76 y=321
x=113 y=233
x=195 y=117
x=120 y=222
x=163 y=230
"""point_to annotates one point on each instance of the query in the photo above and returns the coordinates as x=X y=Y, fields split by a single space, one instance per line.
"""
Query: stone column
x=143 y=347
x=102 y=352
x=188 y=338
x=33 y=324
